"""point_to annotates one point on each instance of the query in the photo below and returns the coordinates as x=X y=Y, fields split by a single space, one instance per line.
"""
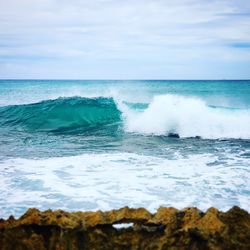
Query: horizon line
x=106 y=79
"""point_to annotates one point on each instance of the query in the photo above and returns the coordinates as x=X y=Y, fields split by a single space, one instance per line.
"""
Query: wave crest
x=188 y=117
x=168 y=115
x=62 y=114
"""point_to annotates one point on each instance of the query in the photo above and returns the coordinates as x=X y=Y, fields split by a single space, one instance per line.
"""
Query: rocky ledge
x=168 y=228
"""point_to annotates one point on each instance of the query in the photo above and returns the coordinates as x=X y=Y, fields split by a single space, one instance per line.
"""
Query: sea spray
x=188 y=117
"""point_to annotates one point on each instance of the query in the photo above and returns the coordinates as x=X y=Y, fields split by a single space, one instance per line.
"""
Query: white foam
x=108 y=181
x=123 y=225
x=188 y=117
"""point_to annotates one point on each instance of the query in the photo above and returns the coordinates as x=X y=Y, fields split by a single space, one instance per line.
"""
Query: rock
x=168 y=228
x=173 y=135
x=210 y=223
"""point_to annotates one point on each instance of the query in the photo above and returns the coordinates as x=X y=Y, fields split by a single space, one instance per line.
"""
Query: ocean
x=89 y=145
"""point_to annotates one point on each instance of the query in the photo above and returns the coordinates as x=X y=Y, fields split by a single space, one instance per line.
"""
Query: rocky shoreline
x=168 y=228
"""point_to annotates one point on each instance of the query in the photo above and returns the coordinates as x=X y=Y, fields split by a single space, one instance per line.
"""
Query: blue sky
x=132 y=39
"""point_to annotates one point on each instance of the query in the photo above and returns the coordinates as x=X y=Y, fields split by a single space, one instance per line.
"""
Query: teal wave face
x=137 y=106
x=62 y=114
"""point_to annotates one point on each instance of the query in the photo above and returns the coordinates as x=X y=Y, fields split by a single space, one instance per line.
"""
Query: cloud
x=86 y=39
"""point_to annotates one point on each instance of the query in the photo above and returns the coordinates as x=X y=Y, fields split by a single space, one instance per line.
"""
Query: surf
x=188 y=117
x=169 y=115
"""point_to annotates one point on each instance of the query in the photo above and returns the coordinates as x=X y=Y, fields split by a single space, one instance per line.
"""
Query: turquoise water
x=87 y=145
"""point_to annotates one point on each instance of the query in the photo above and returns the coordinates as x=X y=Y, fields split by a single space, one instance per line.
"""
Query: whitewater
x=89 y=145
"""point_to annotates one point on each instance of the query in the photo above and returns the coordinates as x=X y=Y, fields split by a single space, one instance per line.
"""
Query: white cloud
x=146 y=34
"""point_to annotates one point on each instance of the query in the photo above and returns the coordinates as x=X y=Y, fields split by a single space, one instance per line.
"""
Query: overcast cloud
x=132 y=39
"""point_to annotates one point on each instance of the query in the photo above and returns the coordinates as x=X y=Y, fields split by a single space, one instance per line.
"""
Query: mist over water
x=81 y=145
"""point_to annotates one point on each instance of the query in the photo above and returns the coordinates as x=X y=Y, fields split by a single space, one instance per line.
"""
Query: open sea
x=89 y=145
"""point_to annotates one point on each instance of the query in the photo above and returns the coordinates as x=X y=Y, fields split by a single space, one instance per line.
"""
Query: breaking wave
x=164 y=115
x=189 y=117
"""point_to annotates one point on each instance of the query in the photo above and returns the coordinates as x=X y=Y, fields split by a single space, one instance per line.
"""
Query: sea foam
x=112 y=180
x=187 y=117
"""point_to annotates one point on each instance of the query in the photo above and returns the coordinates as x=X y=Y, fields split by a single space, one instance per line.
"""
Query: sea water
x=88 y=145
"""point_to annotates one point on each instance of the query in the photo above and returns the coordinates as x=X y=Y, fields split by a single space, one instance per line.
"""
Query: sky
x=129 y=39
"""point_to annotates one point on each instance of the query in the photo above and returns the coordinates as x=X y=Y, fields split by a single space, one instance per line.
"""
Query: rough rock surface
x=168 y=228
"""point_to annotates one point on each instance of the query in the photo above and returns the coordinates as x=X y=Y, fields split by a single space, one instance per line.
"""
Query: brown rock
x=191 y=217
x=168 y=228
x=210 y=222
